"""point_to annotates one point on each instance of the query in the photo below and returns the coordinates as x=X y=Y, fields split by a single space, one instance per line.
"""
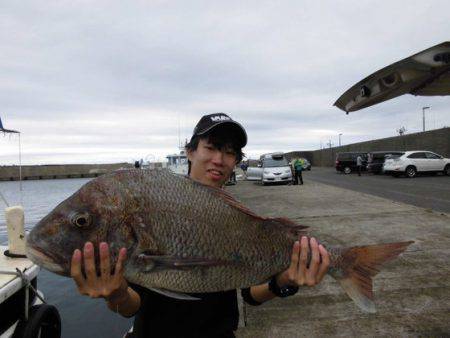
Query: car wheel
x=347 y=170
x=411 y=172
x=447 y=170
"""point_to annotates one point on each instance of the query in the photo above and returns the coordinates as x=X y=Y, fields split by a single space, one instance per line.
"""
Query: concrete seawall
x=36 y=172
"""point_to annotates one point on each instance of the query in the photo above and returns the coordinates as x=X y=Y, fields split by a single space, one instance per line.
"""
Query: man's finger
x=325 y=263
x=75 y=269
x=105 y=267
x=292 y=271
x=304 y=251
x=315 y=258
x=89 y=262
x=120 y=262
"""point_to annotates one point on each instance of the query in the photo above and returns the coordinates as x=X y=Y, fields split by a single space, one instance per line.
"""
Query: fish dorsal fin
x=230 y=200
x=289 y=225
x=288 y=222
x=278 y=221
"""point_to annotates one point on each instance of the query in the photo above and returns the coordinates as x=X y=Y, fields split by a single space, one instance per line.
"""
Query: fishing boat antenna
x=11 y=131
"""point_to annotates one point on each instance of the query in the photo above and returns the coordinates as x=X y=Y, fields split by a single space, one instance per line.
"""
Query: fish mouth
x=47 y=260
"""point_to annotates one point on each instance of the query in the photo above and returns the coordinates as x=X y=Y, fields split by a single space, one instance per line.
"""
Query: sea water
x=80 y=315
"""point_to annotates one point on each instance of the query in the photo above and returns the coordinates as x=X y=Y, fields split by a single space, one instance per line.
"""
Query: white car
x=413 y=162
x=273 y=168
x=254 y=173
x=276 y=168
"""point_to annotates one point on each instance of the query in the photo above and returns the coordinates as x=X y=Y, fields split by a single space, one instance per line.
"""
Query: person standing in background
x=298 y=168
x=359 y=164
x=244 y=167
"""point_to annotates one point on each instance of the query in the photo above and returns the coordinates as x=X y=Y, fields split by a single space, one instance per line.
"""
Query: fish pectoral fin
x=155 y=263
x=173 y=294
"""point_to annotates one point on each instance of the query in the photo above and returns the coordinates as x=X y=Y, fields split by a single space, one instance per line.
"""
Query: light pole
x=423 y=116
x=340 y=139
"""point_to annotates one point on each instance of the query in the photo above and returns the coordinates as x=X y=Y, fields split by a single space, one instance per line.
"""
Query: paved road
x=431 y=192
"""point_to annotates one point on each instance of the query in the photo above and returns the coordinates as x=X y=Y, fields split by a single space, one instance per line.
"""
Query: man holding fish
x=172 y=250
x=215 y=148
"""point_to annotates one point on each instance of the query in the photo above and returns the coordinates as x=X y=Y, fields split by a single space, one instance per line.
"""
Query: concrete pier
x=412 y=293
x=43 y=172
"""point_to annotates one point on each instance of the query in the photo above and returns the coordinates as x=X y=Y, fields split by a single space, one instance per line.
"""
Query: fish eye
x=82 y=220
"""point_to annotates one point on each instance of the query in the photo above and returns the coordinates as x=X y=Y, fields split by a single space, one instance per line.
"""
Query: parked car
x=276 y=168
x=411 y=163
x=254 y=173
x=346 y=162
x=375 y=160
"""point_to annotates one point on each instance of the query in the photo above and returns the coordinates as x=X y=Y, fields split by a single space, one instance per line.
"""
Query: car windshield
x=271 y=162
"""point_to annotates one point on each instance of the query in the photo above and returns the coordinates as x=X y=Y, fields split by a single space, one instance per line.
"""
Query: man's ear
x=189 y=154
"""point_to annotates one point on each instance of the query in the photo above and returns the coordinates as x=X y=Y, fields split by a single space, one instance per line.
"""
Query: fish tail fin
x=357 y=265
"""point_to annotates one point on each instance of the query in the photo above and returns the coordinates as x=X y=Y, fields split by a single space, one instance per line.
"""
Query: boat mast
x=10 y=131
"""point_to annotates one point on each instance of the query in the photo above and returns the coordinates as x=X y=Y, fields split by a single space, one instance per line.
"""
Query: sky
x=117 y=81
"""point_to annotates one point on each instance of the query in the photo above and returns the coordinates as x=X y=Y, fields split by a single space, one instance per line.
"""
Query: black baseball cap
x=211 y=121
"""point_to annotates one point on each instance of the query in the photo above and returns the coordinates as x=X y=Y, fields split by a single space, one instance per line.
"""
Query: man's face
x=210 y=165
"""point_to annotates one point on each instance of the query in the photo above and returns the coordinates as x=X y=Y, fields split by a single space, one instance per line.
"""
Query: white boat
x=24 y=312
x=178 y=163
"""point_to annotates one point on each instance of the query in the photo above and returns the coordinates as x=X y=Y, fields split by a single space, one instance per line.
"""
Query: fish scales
x=189 y=220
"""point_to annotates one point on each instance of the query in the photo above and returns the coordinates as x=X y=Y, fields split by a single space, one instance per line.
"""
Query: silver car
x=254 y=173
x=276 y=168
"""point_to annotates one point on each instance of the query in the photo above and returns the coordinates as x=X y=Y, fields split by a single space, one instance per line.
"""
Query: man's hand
x=112 y=287
x=299 y=273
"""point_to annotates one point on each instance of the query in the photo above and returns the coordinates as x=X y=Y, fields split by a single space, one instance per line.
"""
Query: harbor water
x=80 y=315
